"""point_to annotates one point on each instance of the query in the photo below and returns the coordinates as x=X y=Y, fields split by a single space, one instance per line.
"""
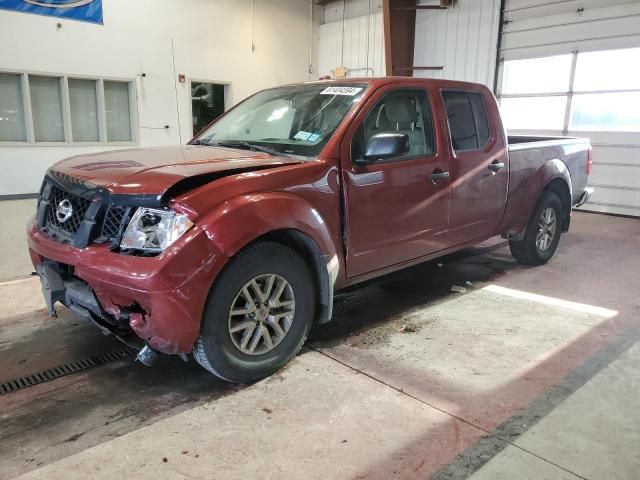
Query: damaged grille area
x=115 y=221
x=66 y=227
x=78 y=213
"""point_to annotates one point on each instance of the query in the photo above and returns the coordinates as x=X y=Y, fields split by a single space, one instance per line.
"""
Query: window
x=207 y=104
x=83 y=99
x=405 y=112
x=44 y=108
x=298 y=119
x=537 y=113
x=480 y=115
x=116 y=101
x=589 y=91
x=12 y=124
x=468 y=121
x=537 y=75
x=608 y=70
x=606 y=112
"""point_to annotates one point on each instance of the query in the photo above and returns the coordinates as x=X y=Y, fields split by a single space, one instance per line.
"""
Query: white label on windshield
x=302 y=135
x=349 y=91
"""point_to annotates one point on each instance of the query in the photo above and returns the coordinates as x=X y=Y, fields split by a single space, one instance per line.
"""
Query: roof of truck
x=377 y=81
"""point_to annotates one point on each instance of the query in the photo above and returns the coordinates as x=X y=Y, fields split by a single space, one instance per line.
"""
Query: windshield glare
x=296 y=120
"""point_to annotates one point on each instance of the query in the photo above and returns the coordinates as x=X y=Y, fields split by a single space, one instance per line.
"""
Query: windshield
x=296 y=120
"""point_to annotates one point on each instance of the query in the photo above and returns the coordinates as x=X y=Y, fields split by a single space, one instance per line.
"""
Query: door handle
x=496 y=166
x=438 y=175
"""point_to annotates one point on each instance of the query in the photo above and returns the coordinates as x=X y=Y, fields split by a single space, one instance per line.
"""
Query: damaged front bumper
x=161 y=299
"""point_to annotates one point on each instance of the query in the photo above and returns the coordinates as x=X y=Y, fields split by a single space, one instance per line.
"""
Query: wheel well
x=560 y=188
x=308 y=249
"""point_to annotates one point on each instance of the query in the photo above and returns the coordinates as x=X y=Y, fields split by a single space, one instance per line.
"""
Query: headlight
x=154 y=230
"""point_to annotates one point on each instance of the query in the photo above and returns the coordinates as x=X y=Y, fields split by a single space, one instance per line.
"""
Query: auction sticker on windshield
x=349 y=91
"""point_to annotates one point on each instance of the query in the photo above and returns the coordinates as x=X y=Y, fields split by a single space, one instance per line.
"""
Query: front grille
x=79 y=213
x=114 y=223
x=67 y=228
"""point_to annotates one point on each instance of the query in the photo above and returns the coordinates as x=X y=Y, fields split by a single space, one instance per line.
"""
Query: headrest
x=400 y=109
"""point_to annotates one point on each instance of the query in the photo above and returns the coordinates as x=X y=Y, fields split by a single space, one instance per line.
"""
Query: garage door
x=573 y=68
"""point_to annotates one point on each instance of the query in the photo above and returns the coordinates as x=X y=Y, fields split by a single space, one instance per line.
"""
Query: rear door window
x=468 y=120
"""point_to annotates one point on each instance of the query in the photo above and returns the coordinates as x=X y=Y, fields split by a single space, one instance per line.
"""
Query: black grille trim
x=94 y=219
x=69 y=228
x=115 y=222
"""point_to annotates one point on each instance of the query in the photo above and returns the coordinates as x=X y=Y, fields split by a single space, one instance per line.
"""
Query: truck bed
x=528 y=152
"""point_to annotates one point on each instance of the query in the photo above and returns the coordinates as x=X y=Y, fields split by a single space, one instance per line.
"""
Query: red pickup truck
x=231 y=247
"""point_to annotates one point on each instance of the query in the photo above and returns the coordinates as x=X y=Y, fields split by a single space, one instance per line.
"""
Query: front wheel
x=543 y=232
x=258 y=314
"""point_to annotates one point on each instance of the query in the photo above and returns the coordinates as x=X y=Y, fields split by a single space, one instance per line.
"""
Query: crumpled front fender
x=239 y=221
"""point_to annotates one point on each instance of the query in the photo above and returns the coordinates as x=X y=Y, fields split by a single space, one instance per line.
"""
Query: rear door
x=395 y=210
x=479 y=165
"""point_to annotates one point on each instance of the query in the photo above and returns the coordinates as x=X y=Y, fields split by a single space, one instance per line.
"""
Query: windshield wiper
x=199 y=142
x=248 y=146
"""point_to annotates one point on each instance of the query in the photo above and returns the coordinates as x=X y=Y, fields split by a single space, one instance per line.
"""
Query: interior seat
x=401 y=116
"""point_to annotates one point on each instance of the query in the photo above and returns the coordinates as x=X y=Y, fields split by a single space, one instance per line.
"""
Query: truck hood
x=153 y=171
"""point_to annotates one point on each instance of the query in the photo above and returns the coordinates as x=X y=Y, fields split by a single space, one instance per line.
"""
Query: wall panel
x=362 y=50
x=462 y=39
x=537 y=28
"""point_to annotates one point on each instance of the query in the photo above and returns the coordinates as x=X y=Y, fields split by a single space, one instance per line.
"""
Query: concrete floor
x=531 y=374
x=14 y=256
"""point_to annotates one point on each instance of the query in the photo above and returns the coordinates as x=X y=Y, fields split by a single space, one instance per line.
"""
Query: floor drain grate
x=64 y=370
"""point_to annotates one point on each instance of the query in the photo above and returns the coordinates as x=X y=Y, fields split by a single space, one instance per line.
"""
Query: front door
x=397 y=208
x=479 y=166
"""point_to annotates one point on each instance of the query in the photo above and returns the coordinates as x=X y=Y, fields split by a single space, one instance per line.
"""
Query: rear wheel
x=543 y=232
x=258 y=314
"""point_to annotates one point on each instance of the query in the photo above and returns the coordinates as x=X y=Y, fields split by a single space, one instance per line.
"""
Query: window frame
x=66 y=110
x=492 y=130
x=227 y=91
x=401 y=158
x=568 y=95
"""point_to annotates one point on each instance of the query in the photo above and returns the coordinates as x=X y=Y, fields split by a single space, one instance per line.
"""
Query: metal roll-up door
x=573 y=68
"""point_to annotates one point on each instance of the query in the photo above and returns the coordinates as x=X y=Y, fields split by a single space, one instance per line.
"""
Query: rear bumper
x=584 y=198
x=160 y=298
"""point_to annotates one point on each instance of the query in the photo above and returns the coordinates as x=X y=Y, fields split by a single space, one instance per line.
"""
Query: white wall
x=211 y=41
x=359 y=46
x=352 y=9
x=462 y=39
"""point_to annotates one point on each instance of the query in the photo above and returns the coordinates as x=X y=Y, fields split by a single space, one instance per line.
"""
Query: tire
x=528 y=251
x=225 y=353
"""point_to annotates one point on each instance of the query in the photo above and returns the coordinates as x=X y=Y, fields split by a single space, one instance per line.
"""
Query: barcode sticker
x=349 y=91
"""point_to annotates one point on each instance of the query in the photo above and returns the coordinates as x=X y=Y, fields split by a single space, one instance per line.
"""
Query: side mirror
x=385 y=145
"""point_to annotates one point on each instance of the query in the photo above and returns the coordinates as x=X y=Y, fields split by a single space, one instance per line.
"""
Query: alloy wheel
x=547 y=226
x=261 y=314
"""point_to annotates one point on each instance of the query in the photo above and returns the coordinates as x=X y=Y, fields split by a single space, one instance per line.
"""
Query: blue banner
x=83 y=10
